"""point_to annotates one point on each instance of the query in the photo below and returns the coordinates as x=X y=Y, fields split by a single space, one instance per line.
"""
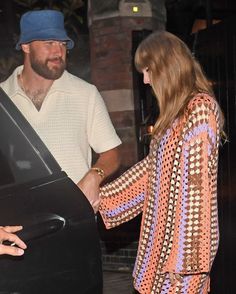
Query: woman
x=175 y=185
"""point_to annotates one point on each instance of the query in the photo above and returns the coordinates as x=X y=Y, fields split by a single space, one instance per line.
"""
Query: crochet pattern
x=175 y=188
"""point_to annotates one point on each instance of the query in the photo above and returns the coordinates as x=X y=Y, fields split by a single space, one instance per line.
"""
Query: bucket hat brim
x=43 y=25
x=45 y=35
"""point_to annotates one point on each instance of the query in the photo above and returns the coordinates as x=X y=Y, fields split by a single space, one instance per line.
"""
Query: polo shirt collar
x=12 y=82
x=14 y=88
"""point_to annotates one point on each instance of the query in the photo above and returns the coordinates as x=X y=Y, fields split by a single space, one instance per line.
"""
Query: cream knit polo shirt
x=72 y=120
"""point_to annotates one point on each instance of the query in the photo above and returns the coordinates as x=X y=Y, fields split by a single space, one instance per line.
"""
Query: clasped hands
x=89 y=185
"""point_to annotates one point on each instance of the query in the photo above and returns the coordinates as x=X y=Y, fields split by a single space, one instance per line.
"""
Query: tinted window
x=23 y=156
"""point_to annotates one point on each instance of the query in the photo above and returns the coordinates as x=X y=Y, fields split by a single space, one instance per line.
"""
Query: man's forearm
x=108 y=161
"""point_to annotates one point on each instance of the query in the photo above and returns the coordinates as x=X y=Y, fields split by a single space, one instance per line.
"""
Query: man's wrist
x=99 y=171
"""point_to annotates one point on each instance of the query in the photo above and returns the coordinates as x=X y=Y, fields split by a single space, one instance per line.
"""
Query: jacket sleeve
x=122 y=199
x=196 y=225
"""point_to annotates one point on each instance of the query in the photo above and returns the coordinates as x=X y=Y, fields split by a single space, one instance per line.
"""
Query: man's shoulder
x=4 y=84
x=75 y=83
x=9 y=85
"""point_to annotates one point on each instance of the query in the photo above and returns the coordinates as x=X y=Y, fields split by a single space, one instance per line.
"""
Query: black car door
x=63 y=254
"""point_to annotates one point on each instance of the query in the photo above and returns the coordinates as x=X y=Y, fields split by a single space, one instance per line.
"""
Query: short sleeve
x=101 y=133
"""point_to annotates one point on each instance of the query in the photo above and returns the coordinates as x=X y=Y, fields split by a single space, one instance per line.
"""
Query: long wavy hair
x=175 y=76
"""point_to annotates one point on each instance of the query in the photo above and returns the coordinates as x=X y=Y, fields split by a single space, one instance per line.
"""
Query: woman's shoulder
x=202 y=108
x=201 y=101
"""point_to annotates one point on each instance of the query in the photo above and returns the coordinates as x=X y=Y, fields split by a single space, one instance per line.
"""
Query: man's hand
x=109 y=162
x=89 y=185
x=7 y=234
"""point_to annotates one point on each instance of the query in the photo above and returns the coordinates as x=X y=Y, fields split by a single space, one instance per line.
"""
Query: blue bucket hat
x=42 y=25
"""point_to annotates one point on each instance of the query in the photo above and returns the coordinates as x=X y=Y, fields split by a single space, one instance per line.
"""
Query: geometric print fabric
x=175 y=189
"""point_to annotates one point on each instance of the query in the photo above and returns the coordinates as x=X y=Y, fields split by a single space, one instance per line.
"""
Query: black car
x=63 y=254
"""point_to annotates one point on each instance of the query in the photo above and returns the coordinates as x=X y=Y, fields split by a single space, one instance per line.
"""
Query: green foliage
x=28 y=4
x=70 y=9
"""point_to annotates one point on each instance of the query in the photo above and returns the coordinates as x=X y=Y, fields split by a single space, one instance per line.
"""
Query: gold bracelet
x=99 y=171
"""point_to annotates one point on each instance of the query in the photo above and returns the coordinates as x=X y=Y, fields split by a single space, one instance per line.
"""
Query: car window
x=23 y=156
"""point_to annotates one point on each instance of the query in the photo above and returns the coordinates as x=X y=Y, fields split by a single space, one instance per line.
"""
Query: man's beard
x=42 y=69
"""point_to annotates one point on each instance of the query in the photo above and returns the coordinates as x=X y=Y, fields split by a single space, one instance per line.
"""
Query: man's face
x=48 y=58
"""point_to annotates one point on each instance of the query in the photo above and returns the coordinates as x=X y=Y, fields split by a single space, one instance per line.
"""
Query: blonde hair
x=175 y=75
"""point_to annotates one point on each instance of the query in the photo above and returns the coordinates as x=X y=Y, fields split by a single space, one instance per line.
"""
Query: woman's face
x=146 y=76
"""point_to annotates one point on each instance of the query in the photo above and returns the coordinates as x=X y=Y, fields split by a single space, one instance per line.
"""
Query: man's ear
x=25 y=48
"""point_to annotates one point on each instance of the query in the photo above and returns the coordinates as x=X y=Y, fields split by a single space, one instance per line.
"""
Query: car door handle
x=42 y=228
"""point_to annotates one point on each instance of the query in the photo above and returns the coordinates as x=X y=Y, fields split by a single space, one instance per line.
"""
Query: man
x=7 y=234
x=68 y=113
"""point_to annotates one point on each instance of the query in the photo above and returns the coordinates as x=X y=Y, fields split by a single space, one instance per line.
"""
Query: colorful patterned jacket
x=175 y=187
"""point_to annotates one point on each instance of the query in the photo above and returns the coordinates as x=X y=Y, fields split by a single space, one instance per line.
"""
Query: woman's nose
x=146 y=79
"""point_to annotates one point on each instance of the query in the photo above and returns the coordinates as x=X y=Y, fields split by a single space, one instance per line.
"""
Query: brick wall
x=112 y=72
x=119 y=245
x=122 y=258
